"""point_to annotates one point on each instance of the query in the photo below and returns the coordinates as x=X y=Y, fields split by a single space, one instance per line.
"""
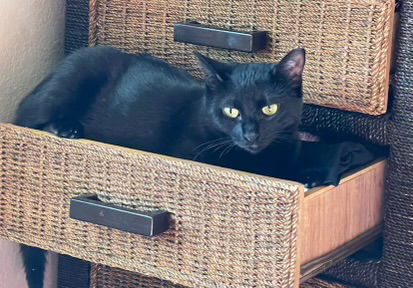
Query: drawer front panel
x=348 y=42
x=229 y=229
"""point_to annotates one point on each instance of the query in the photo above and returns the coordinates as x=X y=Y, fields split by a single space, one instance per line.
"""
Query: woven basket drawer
x=348 y=42
x=229 y=228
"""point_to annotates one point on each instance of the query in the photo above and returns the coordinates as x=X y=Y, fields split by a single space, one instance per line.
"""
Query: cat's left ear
x=215 y=72
x=292 y=66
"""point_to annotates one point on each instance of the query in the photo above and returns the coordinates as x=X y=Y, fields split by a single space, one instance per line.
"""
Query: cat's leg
x=57 y=104
x=65 y=129
x=60 y=101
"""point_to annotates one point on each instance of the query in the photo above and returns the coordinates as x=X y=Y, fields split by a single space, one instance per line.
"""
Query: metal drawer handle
x=198 y=34
x=89 y=209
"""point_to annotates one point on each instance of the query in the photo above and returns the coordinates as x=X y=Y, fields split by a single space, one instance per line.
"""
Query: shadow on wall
x=32 y=35
x=11 y=272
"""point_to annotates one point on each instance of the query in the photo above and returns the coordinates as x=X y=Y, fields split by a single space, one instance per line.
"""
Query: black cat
x=243 y=116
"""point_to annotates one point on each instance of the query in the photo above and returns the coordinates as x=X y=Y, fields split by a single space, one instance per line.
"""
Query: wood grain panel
x=332 y=216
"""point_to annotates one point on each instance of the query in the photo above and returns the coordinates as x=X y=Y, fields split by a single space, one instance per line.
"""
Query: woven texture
x=106 y=277
x=77 y=25
x=322 y=283
x=397 y=267
x=73 y=273
x=348 y=125
x=348 y=41
x=361 y=273
x=229 y=228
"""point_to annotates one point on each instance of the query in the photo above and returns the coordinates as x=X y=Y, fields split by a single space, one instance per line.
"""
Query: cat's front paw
x=310 y=185
x=70 y=130
x=312 y=181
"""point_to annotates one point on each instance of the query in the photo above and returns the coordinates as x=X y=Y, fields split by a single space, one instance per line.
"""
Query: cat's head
x=255 y=104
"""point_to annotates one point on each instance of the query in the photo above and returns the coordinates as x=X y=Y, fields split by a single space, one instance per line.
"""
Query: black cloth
x=323 y=164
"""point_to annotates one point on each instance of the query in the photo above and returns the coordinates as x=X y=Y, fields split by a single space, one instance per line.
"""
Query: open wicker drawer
x=229 y=228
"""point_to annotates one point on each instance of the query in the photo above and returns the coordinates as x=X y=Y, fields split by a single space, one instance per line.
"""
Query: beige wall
x=31 y=43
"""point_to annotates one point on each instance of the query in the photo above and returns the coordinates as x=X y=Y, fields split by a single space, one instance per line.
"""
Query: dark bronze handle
x=195 y=33
x=88 y=208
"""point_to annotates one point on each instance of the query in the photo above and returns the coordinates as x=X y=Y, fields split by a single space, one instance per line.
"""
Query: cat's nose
x=250 y=136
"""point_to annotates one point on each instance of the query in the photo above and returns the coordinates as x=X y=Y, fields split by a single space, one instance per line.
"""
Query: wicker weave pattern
x=369 y=128
x=397 y=268
x=77 y=20
x=360 y=273
x=230 y=228
x=108 y=277
x=347 y=40
x=321 y=283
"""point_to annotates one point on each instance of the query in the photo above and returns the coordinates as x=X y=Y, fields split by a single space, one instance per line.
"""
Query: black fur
x=141 y=102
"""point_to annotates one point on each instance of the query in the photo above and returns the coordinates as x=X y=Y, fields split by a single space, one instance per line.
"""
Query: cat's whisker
x=204 y=149
x=216 y=145
x=226 y=150
x=212 y=146
x=224 y=144
x=209 y=142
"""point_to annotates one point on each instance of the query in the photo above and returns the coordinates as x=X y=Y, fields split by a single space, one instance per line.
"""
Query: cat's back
x=142 y=108
x=102 y=60
x=146 y=73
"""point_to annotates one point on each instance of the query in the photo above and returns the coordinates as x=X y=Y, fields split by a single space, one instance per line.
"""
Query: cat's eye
x=270 y=110
x=231 y=112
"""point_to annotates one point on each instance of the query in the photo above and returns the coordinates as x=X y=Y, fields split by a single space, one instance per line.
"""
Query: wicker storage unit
x=349 y=42
x=229 y=228
x=40 y=173
x=395 y=129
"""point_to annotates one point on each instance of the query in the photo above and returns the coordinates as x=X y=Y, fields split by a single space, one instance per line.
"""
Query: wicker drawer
x=229 y=229
x=348 y=42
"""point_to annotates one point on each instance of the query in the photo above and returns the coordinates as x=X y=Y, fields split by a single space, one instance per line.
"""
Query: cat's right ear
x=291 y=66
x=215 y=72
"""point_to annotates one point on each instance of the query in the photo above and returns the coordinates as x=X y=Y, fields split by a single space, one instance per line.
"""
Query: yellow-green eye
x=270 y=109
x=231 y=112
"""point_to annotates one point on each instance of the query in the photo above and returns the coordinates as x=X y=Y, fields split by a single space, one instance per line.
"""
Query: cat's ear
x=291 y=66
x=215 y=72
